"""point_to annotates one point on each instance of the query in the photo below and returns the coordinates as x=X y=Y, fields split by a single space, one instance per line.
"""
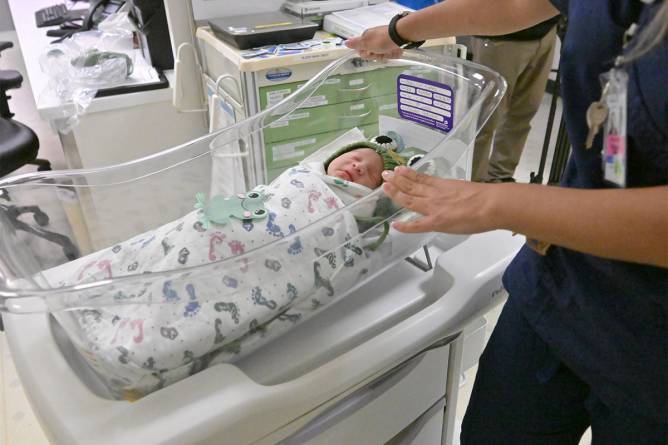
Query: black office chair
x=18 y=143
x=19 y=146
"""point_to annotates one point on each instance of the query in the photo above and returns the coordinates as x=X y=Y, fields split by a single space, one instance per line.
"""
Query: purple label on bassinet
x=425 y=101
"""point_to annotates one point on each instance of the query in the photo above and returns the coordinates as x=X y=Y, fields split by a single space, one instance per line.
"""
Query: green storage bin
x=285 y=154
x=343 y=116
x=338 y=89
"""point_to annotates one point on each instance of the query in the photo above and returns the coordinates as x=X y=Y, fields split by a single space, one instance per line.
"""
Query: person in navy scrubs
x=582 y=340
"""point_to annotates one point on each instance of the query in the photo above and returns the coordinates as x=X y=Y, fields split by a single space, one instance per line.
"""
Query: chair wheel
x=41 y=218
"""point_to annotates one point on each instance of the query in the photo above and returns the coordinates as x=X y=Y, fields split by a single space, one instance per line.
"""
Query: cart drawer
x=284 y=154
x=378 y=411
x=338 y=89
x=344 y=116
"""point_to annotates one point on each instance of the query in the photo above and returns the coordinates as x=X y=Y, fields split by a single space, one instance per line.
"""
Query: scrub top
x=605 y=319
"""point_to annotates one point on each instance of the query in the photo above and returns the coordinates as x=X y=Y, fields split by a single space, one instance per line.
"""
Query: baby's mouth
x=345 y=175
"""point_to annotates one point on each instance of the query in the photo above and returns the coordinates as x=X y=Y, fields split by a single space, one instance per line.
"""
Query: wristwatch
x=396 y=38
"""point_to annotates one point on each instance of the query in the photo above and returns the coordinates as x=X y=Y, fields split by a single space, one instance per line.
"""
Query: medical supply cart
x=245 y=82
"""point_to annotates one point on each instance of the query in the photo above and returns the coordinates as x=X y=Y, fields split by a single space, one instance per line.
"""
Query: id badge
x=614 y=154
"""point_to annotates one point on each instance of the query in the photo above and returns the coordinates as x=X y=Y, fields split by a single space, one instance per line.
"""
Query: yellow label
x=271 y=25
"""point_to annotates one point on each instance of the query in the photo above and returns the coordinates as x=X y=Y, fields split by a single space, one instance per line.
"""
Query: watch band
x=396 y=38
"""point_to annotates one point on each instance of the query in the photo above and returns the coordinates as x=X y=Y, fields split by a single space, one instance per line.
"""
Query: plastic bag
x=81 y=65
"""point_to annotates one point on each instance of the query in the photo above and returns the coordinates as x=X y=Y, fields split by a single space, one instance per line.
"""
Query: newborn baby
x=363 y=162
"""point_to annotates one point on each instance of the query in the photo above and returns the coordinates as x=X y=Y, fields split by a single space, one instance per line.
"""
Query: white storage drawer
x=425 y=430
x=474 y=342
x=381 y=409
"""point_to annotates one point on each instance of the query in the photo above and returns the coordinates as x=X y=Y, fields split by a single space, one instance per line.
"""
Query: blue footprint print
x=193 y=306
x=230 y=282
x=169 y=293
x=296 y=247
x=273 y=228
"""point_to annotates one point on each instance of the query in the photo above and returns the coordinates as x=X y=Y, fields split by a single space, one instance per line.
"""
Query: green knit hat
x=391 y=158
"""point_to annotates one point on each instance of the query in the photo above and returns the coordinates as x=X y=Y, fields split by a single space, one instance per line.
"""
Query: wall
x=6 y=23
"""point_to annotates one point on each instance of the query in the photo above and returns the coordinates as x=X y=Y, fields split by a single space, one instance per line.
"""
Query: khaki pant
x=525 y=65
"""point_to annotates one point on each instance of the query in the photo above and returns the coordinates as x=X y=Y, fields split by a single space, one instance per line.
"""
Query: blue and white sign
x=277 y=74
x=425 y=101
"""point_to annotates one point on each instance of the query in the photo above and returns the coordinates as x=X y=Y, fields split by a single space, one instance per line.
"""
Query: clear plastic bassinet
x=144 y=324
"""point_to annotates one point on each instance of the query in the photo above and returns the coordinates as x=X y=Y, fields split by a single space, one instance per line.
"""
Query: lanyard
x=610 y=112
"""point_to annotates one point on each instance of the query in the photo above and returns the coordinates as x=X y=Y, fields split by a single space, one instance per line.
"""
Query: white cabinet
x=403 y=405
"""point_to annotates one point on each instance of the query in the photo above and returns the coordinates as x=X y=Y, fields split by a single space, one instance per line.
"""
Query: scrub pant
x=525 y=65
x=523 y=395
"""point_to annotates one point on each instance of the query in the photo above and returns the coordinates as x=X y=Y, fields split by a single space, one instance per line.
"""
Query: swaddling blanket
x=137 y=348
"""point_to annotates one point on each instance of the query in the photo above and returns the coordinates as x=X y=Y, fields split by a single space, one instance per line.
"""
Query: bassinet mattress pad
x=138 y=348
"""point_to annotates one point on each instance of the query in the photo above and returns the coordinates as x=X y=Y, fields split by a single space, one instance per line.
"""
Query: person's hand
x=451 y=206
x=375 y=44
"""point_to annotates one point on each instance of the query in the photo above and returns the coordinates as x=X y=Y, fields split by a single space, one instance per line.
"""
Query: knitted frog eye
x=219 y=209
x=391 y=140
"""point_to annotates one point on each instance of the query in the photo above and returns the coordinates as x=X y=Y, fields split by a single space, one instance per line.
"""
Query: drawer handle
x=352 y=403
x=356 y=116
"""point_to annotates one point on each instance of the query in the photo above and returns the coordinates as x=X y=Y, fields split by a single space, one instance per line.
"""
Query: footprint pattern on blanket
x=260 y=300
x=218 y=326
x=292 y=318
x=296 y=247
x=193 y=306
x=232 y=308
x=320 y=281
x=169 y=293
x=169 y=333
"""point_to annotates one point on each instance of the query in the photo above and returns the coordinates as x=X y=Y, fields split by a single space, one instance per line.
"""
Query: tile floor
x=18 y=425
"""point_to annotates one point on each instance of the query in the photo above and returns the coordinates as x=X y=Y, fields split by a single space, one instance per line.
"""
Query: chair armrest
x=10 y=79
x=5 y=45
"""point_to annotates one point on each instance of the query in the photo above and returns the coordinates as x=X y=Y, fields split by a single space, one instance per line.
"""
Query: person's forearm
x=627 y=224
x=474 y=17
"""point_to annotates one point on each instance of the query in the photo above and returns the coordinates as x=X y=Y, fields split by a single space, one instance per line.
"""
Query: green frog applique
x=219 y=209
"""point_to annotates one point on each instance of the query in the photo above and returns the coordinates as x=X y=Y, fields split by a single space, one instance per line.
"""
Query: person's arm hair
x=622 y=224
x=474 y=17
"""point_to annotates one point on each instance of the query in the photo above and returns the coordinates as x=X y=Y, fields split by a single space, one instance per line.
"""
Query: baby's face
x=362 y=166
